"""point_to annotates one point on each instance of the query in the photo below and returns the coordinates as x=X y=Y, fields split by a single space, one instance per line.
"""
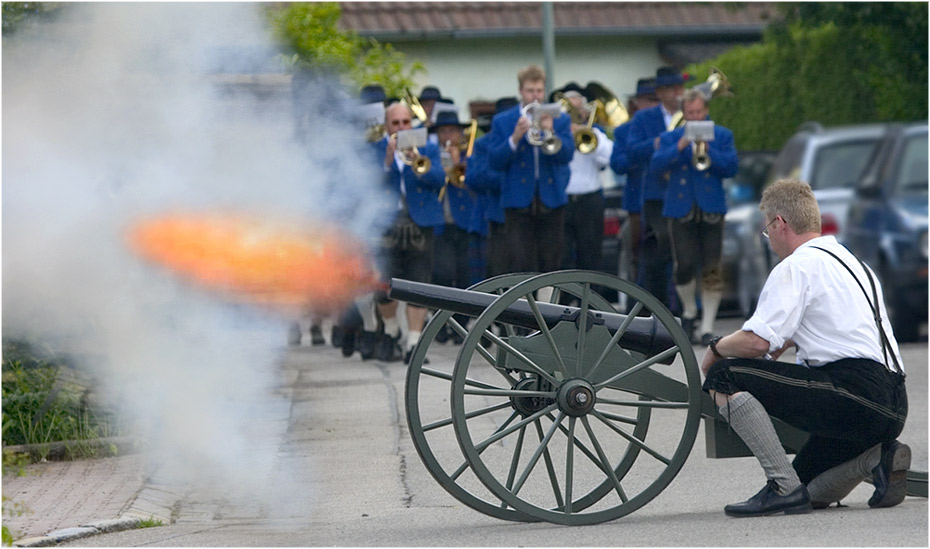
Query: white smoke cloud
x=110 y=114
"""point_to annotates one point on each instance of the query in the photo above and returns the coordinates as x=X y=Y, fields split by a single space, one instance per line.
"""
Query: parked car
x=831 y=160
x=887 y=224
x=744 y=257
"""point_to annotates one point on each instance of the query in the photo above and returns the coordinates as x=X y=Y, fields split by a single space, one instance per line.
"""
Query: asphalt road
x=346 y=474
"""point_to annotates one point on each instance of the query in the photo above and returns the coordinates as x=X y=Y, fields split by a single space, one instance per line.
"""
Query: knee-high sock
x=835 y=484
x=752 y=423
x=687 y=293
x=366 y=308
x=710 y=300
x=544 y=294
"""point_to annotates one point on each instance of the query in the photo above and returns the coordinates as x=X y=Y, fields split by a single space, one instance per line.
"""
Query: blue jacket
x=621 y=163
x=422 y=191
x=686 y=185
x=646 y=125
x=486 y=183
x=519 y=182
x=462 y=204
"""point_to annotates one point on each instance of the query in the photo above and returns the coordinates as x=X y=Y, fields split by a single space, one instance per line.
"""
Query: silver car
x=831 y=160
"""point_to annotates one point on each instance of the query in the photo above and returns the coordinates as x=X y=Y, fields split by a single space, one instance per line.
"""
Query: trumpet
x=699 y=157
x=412 y=157
x=585 y=138
x=536 y=136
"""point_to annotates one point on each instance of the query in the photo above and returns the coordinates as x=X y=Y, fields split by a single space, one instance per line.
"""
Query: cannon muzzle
x=644 y=335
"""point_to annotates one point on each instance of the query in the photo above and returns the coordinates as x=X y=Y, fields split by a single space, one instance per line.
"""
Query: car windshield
x=839 y=165
x=912 y=172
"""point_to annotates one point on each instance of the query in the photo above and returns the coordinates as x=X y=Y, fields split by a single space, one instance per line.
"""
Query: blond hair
x=532 y=73
x=794 y=201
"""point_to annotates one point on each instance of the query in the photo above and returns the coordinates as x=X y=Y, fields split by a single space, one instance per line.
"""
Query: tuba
x=547 y=141
x=716 y=85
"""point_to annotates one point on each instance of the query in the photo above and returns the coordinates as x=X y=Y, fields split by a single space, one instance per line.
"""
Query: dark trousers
x=697 y=241
x=451 y=257
x=534 y=239
x=656 y=252
x=497 y=249
x=847 y=406
x=584 y=231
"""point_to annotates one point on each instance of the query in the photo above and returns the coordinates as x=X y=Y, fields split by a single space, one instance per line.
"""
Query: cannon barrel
x=644 y=335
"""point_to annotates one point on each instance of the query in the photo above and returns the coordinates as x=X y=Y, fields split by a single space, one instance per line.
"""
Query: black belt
x=579 y=197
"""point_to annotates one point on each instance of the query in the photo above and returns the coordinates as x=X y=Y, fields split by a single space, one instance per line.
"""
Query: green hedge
x=825 y=74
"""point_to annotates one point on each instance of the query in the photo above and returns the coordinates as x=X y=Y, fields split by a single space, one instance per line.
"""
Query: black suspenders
x=876 y=311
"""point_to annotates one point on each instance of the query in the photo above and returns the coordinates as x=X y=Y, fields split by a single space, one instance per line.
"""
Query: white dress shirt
x=586 y=168
x=811 y=298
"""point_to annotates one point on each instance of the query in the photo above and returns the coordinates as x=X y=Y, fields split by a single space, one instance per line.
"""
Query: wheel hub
x=529 y=405
x=576 y=397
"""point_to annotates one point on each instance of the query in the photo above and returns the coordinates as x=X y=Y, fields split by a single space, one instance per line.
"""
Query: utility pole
x=548 y=46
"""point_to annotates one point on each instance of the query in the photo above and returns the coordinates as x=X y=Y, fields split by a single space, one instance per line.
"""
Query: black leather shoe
x=409 y=354
x=388 y=349
x=366 y=344
x=442 y=335
x=890 y=475
x=316 y=336
x=348 y=343
x=336 y=336
x=687 y=324
x=705 y=339
x=769 y=502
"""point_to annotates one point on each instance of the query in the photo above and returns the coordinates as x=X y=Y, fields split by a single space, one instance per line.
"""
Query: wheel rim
x=612 y=466
x=430 y=422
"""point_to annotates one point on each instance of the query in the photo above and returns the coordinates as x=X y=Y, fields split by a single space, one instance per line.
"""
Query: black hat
x=571 y=86
x=504 y=103
x=447 y=118
x=670 y=76
x=645 y=86
x=372 y=93
x=430 y=92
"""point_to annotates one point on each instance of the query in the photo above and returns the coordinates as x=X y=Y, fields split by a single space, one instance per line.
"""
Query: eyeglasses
x=765 y=230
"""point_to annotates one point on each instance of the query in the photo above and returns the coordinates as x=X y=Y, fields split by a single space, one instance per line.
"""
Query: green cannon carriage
x=571 y=414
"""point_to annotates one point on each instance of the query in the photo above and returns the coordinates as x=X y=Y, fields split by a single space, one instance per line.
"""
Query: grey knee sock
x=751 y=422
x=835 y=484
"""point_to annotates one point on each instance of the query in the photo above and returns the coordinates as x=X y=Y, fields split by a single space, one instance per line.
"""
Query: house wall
x=469 y=70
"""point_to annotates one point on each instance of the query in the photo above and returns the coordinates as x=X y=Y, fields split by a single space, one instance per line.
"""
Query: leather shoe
x=769 y=502
x=389 y=349
x=890 y=475
x=687 y=324
x=366 y=344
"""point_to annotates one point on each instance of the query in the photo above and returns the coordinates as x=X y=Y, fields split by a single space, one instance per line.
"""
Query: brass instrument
x=610 y=112
x=415 y=107
x=412 y=157
x=585 y=138
x=716 y=85
x=374 y=133
x=455 y=174
x=699 y=157
x=546 y=140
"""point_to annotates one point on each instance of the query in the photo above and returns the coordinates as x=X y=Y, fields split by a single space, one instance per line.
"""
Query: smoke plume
x=118 y=111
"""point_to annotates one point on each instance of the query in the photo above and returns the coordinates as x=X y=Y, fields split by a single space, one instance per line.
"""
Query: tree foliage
x=17 y=15
x=310 y=30
x=835 y=63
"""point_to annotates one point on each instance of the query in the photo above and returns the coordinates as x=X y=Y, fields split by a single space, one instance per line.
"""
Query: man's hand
x=546 y=122
x=683 y=142
x=523 y=126
x=389 y=151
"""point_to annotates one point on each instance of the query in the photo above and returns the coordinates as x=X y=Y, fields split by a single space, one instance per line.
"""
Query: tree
x=836 y=63
x=310 y=31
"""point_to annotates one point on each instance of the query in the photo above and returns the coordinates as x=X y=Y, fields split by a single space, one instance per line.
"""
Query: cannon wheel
x=430 y=422
x=582 y=427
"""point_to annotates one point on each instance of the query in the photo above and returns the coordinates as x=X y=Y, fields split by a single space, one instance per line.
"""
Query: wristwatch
x=713 y=346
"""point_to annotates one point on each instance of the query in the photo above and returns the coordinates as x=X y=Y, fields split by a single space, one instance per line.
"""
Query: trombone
x=547 y=141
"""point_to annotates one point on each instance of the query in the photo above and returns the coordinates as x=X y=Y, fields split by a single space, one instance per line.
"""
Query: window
x=912 y=169
x=839 y=165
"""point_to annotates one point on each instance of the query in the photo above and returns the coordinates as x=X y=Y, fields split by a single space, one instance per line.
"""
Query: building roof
x=425 y=20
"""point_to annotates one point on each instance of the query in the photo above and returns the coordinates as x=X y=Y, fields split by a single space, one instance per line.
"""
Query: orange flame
x=263 y=261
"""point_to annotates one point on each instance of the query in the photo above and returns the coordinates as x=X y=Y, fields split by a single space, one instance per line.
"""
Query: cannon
x=558 y=408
